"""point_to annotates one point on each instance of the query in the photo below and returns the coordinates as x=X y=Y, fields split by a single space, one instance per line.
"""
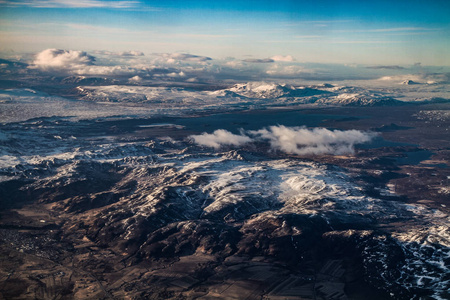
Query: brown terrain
x=60 y=242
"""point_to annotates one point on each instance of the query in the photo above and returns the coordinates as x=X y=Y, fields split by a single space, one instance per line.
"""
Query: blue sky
x=364 y=32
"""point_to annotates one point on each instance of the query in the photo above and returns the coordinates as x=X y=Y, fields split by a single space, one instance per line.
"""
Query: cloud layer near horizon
x=292 y=140
x=117 y=63
x=196 y=68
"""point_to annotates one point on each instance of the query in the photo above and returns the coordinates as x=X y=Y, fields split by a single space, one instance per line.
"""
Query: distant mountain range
x=247 y=93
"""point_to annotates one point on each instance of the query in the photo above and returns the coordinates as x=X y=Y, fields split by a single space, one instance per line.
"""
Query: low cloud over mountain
x=300 y=140
x=220 y=137
x=198 y=68
x=292 y=140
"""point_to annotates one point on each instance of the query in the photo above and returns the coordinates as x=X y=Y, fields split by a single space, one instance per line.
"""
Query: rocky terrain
x=134 y=208
x=178 y=177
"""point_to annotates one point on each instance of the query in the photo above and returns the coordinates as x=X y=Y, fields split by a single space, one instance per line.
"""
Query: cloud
x=259 y=60
x=131 y=53
x=182 y=66
x=279 y=70
x=175 y=74
x=391 y=29
x=429 y=78
x=220 y=137
x=62 y=59
x=73 y=4
x=98 y=30
x=81 y=63
x=286 y=58
x=386 y=67
x=135 y=79
x=396 y=29
x=303 y=141
x=103 y=70
x=234 y=64
x=292 y=140
x=363 y=42
x=172 y=58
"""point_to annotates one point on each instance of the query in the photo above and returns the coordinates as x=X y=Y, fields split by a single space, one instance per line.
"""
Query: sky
x=345 y=32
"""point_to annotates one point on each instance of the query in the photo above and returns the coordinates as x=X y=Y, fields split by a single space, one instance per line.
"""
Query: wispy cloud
x=125 y=4
x=204 y=36
x=392 y=29
x=385 y=67
x=94 y=29
x=317 y=23
x=363 y=42
x=130 y=53
x=397 y=29
x=326 y=40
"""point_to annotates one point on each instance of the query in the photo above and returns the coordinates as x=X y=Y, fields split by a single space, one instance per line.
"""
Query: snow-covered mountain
x=161 y=198
x=262 y=90
x=409 y=82
x=361 y=99
x=84 y=80
x=246 y=95
x=175 y=178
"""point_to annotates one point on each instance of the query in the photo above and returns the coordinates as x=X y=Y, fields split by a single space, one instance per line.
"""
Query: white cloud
x=292 y=140
x=135 y=79
x=303 y=141
x=62 y=59
x=234 y=64
x=285 y=71
x=220 y=137
x=286 y=58
x=131 y=53
x=81 y=63
x=175 y=74
x=103 y=70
